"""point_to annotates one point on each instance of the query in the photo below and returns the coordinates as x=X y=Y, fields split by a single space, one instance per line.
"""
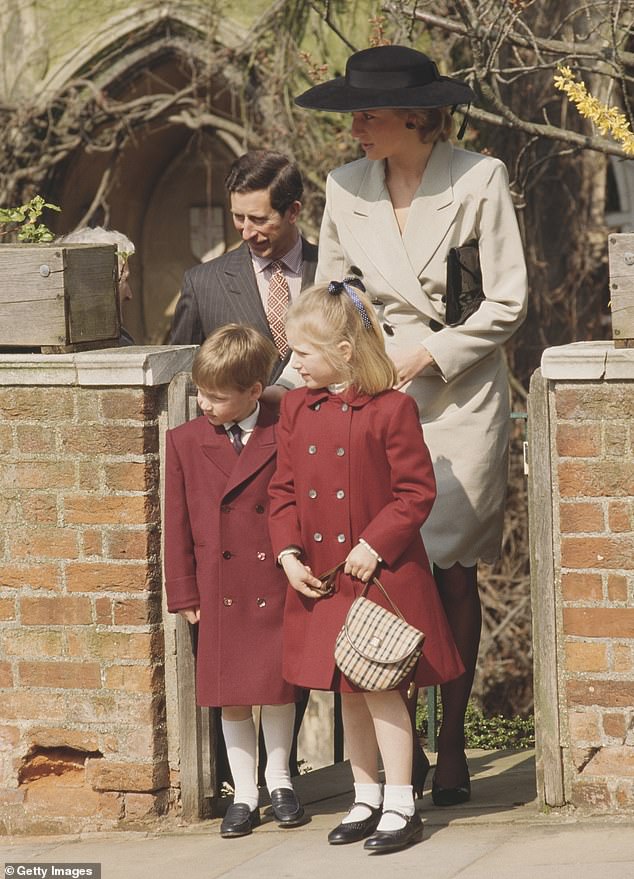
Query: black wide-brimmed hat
x=387 y=77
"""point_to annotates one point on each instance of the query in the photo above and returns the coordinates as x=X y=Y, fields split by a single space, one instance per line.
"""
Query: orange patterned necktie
x=277 y=306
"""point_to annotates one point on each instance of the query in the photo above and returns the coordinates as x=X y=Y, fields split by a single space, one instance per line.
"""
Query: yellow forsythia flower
x=608 y=120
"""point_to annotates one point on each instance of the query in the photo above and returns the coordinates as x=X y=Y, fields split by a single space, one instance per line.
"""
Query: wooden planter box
x=59 y=297
x=621 y=250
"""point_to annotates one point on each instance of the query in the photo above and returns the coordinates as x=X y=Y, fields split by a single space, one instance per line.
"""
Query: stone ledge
x=588 y=361
x=135 y=366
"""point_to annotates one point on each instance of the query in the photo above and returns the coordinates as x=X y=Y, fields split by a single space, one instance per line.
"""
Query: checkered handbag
x=375 y=648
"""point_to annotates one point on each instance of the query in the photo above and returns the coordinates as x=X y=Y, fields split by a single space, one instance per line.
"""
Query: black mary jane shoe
x=451 y=796
x=355 y=831
x=383 y=841
x=287 y=808
x=239 y=821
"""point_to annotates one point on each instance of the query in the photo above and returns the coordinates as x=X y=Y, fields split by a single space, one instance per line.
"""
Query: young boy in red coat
x=220 y=570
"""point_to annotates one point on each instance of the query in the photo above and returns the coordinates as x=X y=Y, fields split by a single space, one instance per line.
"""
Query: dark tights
x=458 y=587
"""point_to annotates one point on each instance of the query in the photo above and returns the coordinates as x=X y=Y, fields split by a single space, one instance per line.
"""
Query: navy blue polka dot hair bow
x=336 y=288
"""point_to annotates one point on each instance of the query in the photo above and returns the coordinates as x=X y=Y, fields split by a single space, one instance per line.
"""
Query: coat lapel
x=258 y=451
x=402 y=259
x=217 y=449
x=240 y=282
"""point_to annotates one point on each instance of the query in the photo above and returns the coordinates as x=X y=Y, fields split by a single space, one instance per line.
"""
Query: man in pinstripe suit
x=265 y=190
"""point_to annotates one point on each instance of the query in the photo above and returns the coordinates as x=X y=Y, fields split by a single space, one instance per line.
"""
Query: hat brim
x=338 y=97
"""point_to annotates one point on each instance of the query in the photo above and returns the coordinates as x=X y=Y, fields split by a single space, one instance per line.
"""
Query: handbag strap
x=328 y=580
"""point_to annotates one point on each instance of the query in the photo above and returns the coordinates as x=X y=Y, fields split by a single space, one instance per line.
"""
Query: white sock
x=277 y=725
x=364 y=793
x=241 y=742
x=399 y=797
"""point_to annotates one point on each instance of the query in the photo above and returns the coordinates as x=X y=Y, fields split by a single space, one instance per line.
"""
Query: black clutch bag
x=464 y=283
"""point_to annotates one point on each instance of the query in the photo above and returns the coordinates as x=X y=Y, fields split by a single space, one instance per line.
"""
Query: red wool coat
x=218 y=556
x=354 y=466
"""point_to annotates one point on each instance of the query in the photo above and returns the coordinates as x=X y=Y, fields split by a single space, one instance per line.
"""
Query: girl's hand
x=191 y=614
x=410 y=363
x=360 y=563
x=300 y=577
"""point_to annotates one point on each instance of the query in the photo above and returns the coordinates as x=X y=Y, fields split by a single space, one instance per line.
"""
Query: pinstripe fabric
x=224 y=291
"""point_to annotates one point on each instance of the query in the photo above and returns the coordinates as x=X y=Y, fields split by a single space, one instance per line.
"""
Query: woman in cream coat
x=392 y=217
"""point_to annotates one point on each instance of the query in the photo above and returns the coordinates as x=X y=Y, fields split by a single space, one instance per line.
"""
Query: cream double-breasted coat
x=465 y=409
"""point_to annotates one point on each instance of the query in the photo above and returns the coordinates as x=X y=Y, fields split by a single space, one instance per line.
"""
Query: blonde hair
x=234 y=357
x=434 y=123
x=326 y=320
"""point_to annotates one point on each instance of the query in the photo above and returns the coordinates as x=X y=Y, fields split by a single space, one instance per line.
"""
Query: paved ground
x=500 y=834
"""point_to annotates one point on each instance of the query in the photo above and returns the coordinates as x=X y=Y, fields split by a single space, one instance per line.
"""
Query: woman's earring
x=410 y=125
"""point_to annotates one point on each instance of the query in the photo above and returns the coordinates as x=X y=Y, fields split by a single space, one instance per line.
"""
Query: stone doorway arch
x=155 y=184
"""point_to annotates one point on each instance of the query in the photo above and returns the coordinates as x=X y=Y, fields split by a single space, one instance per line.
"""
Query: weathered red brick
x=134 y=678
x=20 y=704
x=615 y=725
x=610 y=552
x=7 y=609
x=34 y=441
x=607 y=693
x=582 y=656
x=612 y=760
x=595 y=402
x=39 y=508
x=110 y=510
x=138 y=404
x=136 y=611
x=132 y=475
x=584 y=726
x=615 y=436
x=578 y=586
x=32 y=643
x=110 y=776
x=44 y=474
x=596 y=478
x=622 y=658
x=67 y=795
x=590 y=794
x=617 y=587
x=599 y=622
x=69 y=610
x=89 y=476
x=110 y=577
x=44 y=542
x=110 y=646
x=620 y=516
x=110 y=440
x=92 y=539
x=103 y=611
x=44 y=576
x=579 y=440
x=128 y=544
x=34 y=404
x=6 y=676
x=58 y=737
x=75 y=675
x=575 y=516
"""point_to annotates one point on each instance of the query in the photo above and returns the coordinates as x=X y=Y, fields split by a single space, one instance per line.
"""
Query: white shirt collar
x=247 y=424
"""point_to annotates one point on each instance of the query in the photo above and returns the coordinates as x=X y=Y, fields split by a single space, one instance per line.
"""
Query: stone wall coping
x=588 y=361
x=138 y=366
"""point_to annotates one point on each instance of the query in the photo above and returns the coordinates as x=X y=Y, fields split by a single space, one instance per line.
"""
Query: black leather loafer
x=287 y=808
x=355 y=831
x=239 y=821
x=383 y=841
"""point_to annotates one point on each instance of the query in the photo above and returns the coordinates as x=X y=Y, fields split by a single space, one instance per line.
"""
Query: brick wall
x=592 y=468
x=82 y=699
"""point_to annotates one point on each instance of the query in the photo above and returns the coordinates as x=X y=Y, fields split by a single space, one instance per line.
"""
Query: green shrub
x=490 y=733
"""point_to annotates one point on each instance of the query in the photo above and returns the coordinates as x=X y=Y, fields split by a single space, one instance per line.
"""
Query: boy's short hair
x=234 y=356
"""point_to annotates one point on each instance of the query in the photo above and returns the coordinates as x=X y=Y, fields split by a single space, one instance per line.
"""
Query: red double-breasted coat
x=218 y=556
x=353 y=466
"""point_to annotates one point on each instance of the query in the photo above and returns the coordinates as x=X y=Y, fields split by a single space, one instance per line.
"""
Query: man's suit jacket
x=224 y=291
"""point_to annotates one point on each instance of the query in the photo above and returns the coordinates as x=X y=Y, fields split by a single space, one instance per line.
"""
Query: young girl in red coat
x=354 y=483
